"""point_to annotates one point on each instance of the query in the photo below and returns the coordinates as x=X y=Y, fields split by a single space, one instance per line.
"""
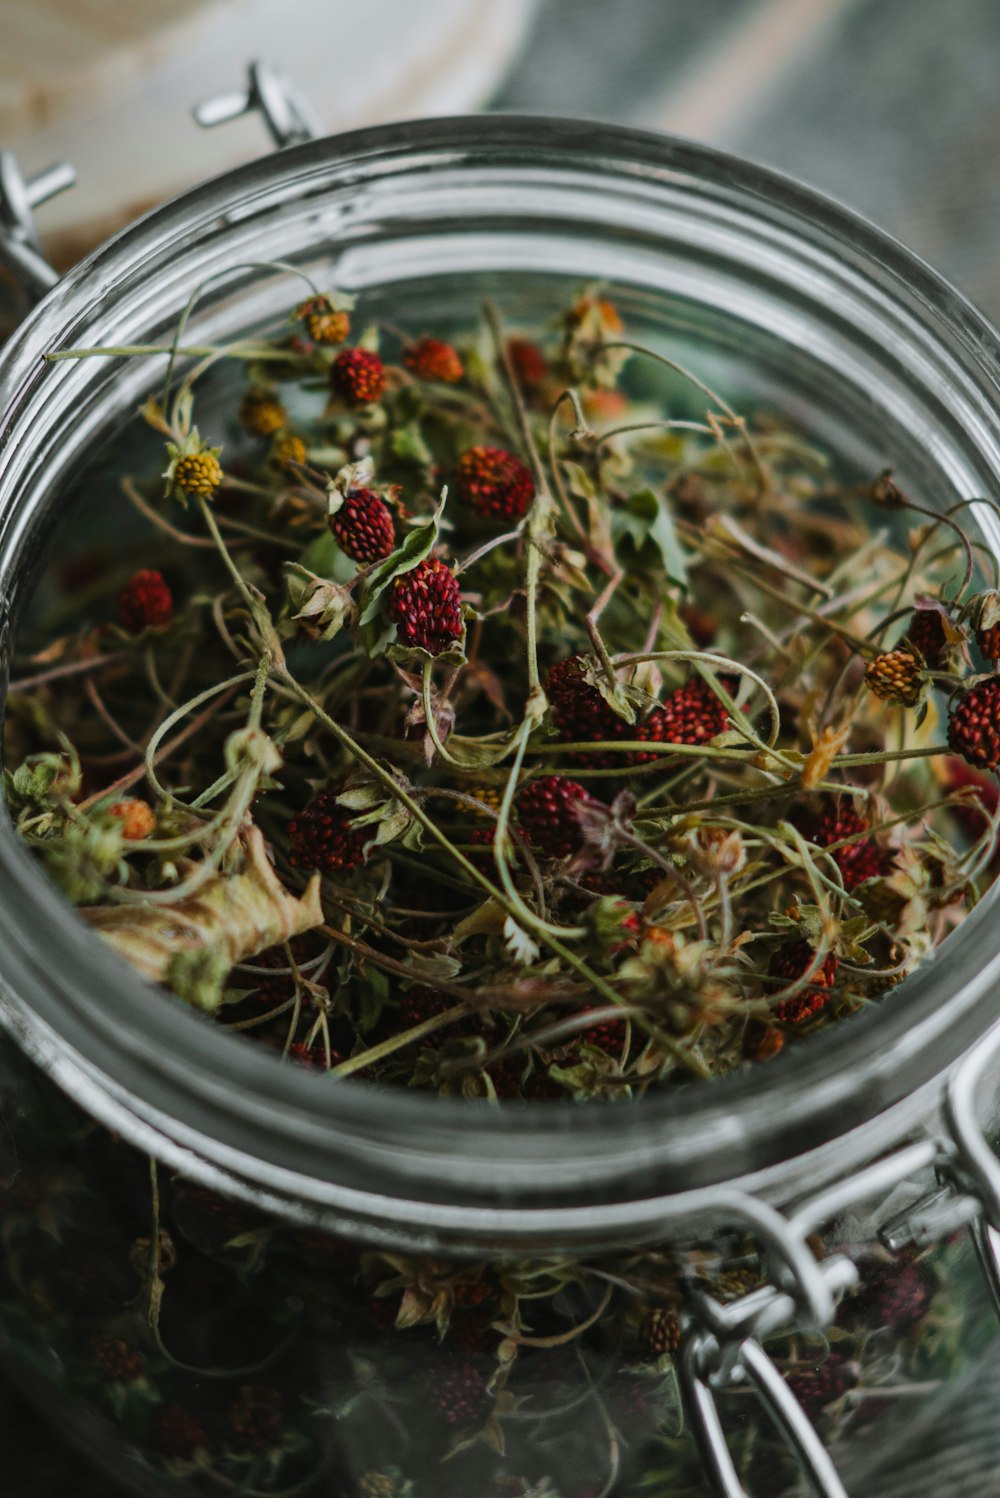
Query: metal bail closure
x=289 y=117
x=700 y=1359
x=974 y=1165
x=20 y=247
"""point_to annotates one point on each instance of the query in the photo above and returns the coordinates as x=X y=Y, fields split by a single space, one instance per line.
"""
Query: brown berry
x=431 y=359
x=660 y=1331
x=145 y=602
x=358 y=376
x=894 y=676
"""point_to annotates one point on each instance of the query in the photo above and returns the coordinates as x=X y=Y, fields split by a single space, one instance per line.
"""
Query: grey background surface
x=892 y=106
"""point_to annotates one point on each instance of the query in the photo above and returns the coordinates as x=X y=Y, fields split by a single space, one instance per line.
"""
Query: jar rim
x=380 y=1154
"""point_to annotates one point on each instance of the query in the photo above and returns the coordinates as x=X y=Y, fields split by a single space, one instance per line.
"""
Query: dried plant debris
x=486 y=722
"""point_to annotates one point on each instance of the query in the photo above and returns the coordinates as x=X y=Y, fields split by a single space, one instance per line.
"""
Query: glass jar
x=202 y=1250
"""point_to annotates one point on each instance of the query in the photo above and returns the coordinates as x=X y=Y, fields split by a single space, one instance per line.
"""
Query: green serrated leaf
x=417 y=545
x=646 y=516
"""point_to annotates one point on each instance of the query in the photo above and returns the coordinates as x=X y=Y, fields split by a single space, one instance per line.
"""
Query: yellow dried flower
x=288 y=450
x=198 y=473
x=262 y=413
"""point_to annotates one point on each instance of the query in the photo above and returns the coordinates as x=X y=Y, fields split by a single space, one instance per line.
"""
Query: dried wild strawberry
x=358 y=376
x=256 y=1416
x=761 y=1042
x=145 y=603
x=895 y=1294
x=459 y=1393
x=608 y=1035
x=431 y=359
x=818 y=1386
x=324 y=322
x=529 y=364
x=692 y=714
x=116 y=1359
x=894 y=676
x=179 y=1433
x=323 y=836
x=974 y=725
x=790 y=963
x=494 y=483
x=545 y=809
x=363 y=527
x=660 y=1331
x=199 y=474
x=581 y=714
x=925 y=635
x=262 y=413
x=426 y=607
x=421 y=1003
x=858 y=860
x=137 y=818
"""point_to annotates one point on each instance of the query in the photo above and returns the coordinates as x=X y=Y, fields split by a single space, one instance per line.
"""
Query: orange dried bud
x=137 y=818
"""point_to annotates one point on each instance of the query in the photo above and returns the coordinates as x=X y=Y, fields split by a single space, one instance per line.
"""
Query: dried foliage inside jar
x=510 y=717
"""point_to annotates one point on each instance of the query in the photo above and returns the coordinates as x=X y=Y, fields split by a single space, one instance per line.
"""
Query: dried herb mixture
x=505 y=715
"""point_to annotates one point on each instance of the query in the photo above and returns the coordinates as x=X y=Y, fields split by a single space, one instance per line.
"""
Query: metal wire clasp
x=289 y=117
x=20 y=247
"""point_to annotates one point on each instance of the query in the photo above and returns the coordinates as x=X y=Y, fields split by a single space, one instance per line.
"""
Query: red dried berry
x=529 y=364
x=256 y=1416
x=363 y=527
x=580 y=713
x=857 y=861
x=459 y=1393
x=988 y=640
x=974 y=725
x=925 y=634
x=494 y=483
x=323 y=836
x=471 y=1335
x=314 y=1055
x=116 y=1359
x=145 y=603
x=690 y=715
x=981 y=791
x=179 y=1434
x=421 y=1003
x=431 y=359
x=895 y=1294
x=426 y=607
x=819 y=1386
x=608 y=1035
x=545 y=809
x=358 y=376
x=790 y=963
